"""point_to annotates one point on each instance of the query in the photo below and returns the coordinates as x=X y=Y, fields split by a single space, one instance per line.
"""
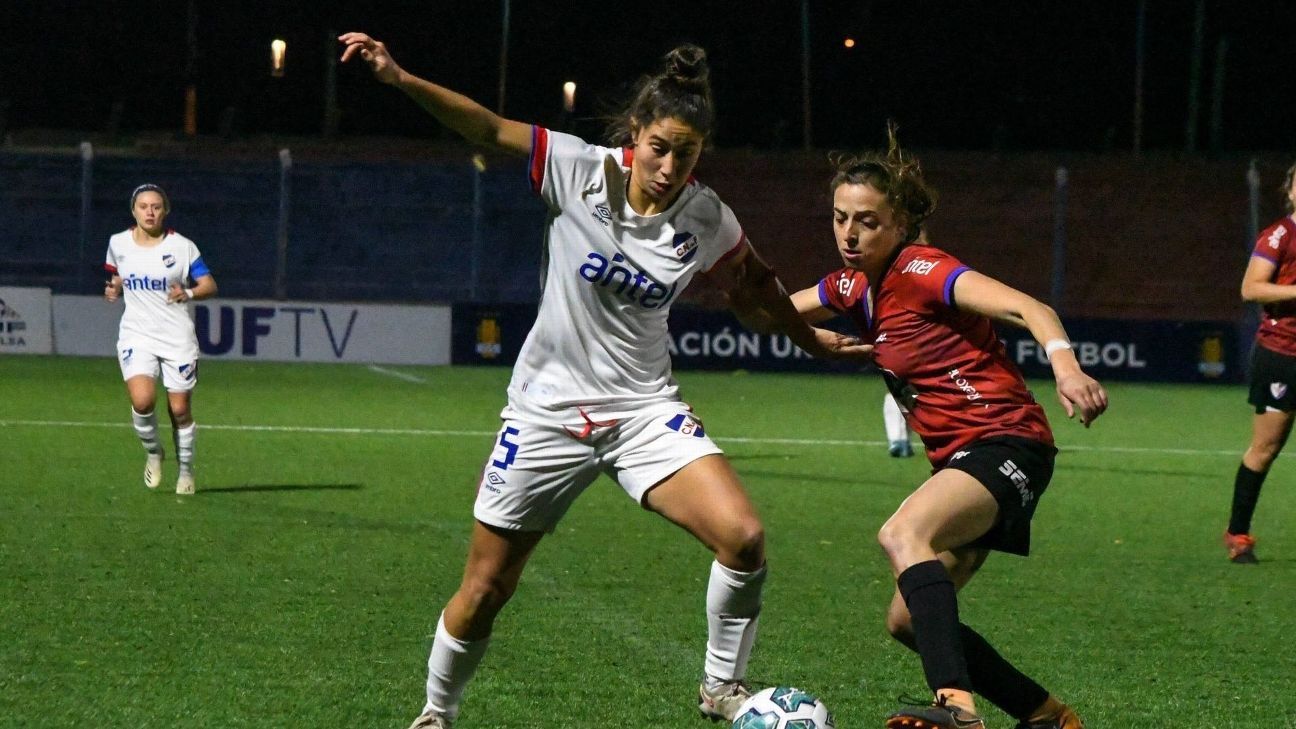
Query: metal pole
x=1217 y=97
x=285 y=194
x=503 y=64
x=87 y=190
x=1061 y=181
x=191 y=72
x=330 y=126
x=1140 y=33
x=807 y=134
x=1194 y=77
x=478 y=214
x=1253 y=196
x=1251 y=312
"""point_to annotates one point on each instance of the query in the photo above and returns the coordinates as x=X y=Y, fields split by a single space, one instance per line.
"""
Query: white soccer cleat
x=153 y=469
x=185 y=484
x=430 y=720
x=722 y=702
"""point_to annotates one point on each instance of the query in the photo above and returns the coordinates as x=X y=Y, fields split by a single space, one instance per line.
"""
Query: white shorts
x=539 y=466
x=139 y=358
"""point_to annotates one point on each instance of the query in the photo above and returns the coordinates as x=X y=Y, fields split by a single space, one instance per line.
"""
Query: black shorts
x=1015 y=471
x=1273 y=381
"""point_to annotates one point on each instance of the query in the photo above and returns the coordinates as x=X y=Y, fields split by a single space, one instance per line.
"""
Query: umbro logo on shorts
x=493 y=482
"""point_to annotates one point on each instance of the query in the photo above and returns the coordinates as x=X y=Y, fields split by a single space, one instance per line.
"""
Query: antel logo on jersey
x=144 y=283
x=919 y=266
x=602 y=272
x=686 y=245
x=168 y=260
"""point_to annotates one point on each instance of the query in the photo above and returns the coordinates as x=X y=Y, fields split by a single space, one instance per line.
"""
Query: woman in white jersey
x=158 y=272
x=592 y=390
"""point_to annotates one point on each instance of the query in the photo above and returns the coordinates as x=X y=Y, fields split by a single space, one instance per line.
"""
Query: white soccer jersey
x=600 y=338
x=147 y=275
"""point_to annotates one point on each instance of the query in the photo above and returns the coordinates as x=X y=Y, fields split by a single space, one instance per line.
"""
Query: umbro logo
x=603 y=214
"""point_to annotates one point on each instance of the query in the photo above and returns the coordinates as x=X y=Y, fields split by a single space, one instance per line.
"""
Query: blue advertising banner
x=702 y=339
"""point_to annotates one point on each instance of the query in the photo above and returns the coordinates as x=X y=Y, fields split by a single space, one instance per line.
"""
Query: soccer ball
x=783 y=707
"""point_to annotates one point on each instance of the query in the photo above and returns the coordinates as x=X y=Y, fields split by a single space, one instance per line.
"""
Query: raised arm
x=471 y=120
x=1076 y=391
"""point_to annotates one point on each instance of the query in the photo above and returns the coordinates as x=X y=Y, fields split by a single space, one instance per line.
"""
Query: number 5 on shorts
x=510 y=449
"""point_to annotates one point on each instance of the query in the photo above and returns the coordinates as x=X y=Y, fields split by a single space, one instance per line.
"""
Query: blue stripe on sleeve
x=823 y=294
x=199 y=268
x=949 y=284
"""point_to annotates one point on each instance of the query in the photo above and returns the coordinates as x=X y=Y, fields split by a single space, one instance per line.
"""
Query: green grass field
x=300 y=586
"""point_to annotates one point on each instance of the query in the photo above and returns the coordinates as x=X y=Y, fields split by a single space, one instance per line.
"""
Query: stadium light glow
x=569 y=96
x=278 y=49
x=849 y=42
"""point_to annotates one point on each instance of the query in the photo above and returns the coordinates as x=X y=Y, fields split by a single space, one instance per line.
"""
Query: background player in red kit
x=1270 y=279
x=929 y=319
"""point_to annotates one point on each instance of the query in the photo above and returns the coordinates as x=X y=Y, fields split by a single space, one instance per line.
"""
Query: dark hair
x=682 y=90
x=148 y=187
x=899 y=178
x=1286 y=188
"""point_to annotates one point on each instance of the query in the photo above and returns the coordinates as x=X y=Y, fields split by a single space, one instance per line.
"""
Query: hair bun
x=687 y=65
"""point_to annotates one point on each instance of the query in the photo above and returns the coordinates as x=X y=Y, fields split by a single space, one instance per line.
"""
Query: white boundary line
x=321 y=430
x=398 y=375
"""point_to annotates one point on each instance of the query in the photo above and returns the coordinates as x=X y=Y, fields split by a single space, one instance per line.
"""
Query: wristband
x=1054 y=345
x=189 y=293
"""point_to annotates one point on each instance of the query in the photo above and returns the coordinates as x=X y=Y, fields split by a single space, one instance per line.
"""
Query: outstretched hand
x=841 y=347
x=1080 y=393
x=373 y=53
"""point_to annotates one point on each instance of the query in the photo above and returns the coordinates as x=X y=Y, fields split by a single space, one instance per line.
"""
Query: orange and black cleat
x=1241 y=548
x=1066 y=719
x=936 y=715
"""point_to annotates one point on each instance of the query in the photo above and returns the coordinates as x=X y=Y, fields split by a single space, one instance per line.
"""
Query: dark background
x=1012 y=75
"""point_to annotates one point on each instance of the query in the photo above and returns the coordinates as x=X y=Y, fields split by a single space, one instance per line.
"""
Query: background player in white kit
x=592 y=390
x=158 y=271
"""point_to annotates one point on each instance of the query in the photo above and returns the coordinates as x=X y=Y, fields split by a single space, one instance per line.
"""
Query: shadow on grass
x=1064 y=465
x=257 y=488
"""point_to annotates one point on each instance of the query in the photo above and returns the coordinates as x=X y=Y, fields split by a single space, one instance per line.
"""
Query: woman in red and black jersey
x=930 y=320
x=1270 y=279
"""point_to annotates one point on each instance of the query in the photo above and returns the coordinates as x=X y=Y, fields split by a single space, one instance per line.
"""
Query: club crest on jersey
x=686 y=425
x=1277 y=389
x=686 y=245
x=127 y=354
x=168 y=260
x=603 y=214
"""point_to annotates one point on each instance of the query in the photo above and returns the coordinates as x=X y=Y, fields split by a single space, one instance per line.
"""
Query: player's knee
x=743 y=548
x=485 y=595
x=896 y=537
x=1264 y=452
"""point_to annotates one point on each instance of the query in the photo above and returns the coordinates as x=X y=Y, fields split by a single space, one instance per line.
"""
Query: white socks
x=733 y=609
x=146 y=428
x=450 y=666
x=896 y=427
x=184 y=445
